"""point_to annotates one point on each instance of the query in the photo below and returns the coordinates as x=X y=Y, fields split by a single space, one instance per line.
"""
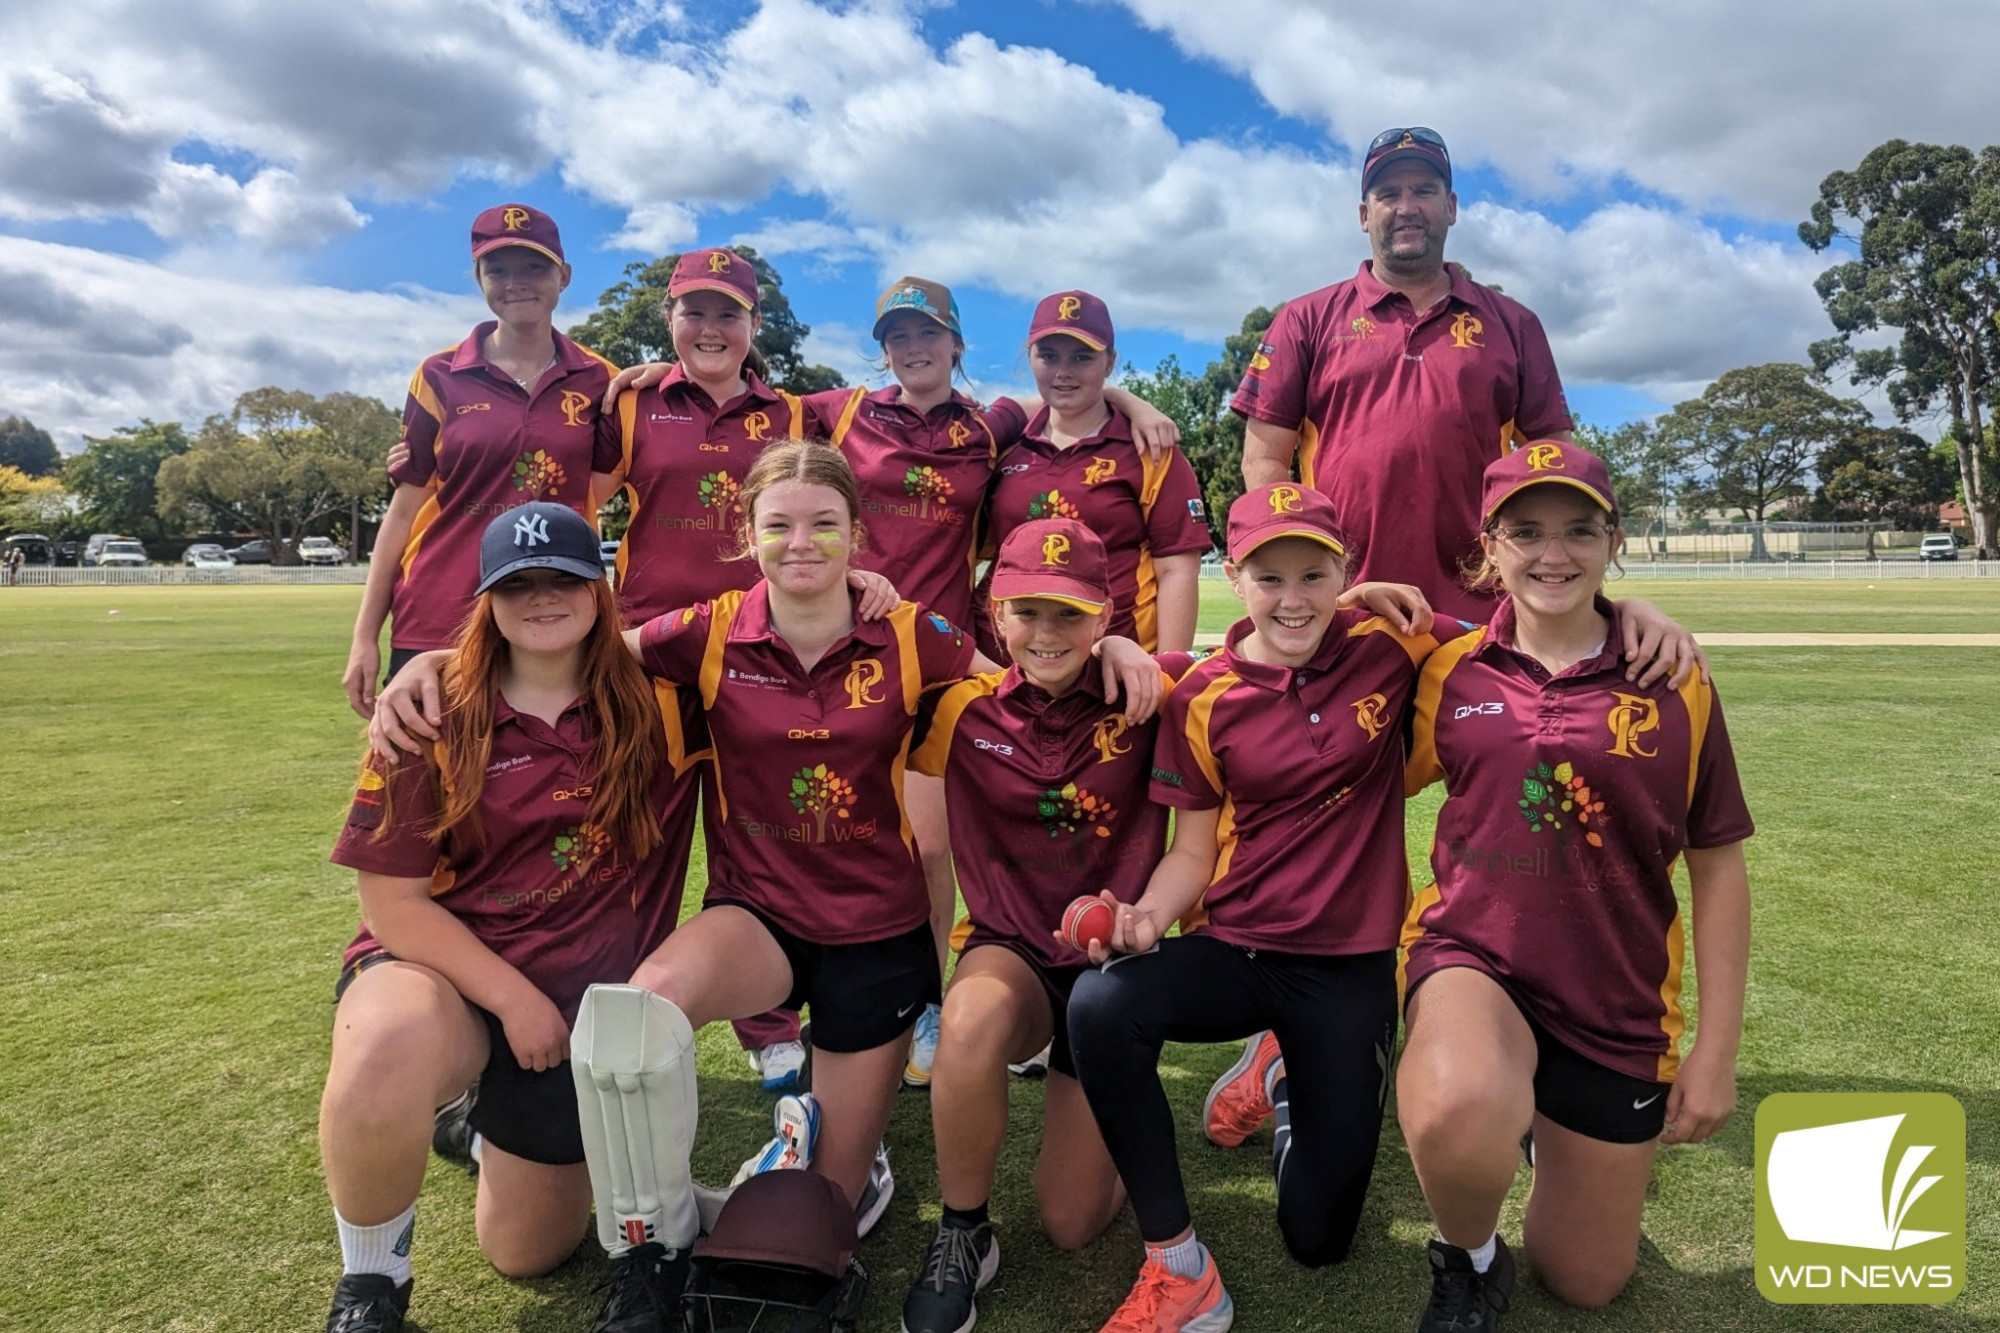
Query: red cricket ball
x=1085 y=920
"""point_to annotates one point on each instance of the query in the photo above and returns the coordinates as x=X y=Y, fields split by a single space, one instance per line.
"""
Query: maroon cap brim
x=480 y=251
x=1071 y=592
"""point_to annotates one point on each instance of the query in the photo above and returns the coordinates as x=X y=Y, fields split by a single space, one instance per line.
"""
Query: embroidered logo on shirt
x=1259 y=360
x=862 y=679
x=538 y=474
x=1557 y=798
x=995 y=746
x=463 y=408
x=1465 y=330
x=1371 y=713
x=958 y=433
x=1464 y=711
x=530 y=531
x=1630 y=718
x=1051 y=504
x=577 y=847
x=1105 y=737
x=1072 y=809
x=1099 y=469
x=824 y=794
x=756 y=426
x=574 y=405
x=931 y=489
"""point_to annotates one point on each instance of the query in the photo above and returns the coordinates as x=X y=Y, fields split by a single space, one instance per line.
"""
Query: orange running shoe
x=1239 y=1103
x=1162 y=1301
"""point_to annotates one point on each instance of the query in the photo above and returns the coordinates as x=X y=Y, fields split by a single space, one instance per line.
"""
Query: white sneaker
x=923 y=1047
x=875 y=1195
x=779 y=1064
x=796 y=1121
x=1035 y=1066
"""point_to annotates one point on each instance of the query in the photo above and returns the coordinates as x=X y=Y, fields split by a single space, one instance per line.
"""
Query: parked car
x=255 y=552
x=35 y=549
x=321 y=551
x=96 y=544
x=122 y=555
x=69 y=553
x=204 y=551
x=1937 y=546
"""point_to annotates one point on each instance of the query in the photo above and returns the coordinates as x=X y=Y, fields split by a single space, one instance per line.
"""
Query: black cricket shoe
x=644 y=1293
x=368 y=1303
x=961 y=1262
x=1462 y=1300
x=451 y=1130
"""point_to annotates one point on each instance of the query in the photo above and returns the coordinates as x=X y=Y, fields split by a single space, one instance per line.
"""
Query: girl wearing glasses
x=1543 y=969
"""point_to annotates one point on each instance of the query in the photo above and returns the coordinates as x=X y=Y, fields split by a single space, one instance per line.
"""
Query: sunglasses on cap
x=1417 y=132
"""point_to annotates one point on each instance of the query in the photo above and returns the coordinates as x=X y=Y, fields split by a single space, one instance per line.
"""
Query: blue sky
x=198 y=202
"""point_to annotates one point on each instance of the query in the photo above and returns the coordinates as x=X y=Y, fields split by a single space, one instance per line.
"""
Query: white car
x=128 y=554
x=1937 y=546
x=321 y=551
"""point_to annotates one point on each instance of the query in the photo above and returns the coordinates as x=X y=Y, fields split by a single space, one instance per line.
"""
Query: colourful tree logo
x=1558 y=798
x=1072 y=809
x=819 y=791
x=1050 y=504
x=577 y=847
x=722 y=493
x=931 y=489
x=538 y=474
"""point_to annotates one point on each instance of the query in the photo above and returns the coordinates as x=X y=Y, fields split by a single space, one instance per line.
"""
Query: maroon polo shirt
x=684 y=461
x=1141 y=510
x=1306 y=766
x=809 y=764
x=543 y=890
x=923 y=479
x=1047 y=798
x=483 y=445
x=1399 y=412
x=1568 y=799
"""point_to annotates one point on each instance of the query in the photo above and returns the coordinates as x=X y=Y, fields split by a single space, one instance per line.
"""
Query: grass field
x=176 y=774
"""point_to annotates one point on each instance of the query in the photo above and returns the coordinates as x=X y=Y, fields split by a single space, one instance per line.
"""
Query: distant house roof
x=1952 y=514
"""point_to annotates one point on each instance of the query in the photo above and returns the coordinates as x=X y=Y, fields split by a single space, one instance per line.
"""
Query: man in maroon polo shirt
x=1395 y=388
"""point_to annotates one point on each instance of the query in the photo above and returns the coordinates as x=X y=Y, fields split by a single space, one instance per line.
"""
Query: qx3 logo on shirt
x=530 y=531
x=513 y=219
x=1055 y=549
x=1286 y=499
x=1545 y=457
x=862 y=679
x=574 y=405
x=1371 y=714
x=1629 y=719
x=1105 y=737
x=1465 y=330
x=1099 y=469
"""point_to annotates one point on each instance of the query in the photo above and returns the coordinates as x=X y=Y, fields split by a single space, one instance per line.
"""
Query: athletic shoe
x=644 y=1291
x=368 y=1303
x=1528 y=1147
x=451 y=1130
x=879 y=1188
x=1162 y=1301
x=923 y=1047
x=779 y=1064
x=795 y=1122
x=1035 y=1066
x=1463 y=1301
x=961 y=1262
x=1240 y=1101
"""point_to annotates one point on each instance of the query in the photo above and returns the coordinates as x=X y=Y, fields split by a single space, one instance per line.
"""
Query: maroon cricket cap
x=1076 y=314
x=715 y=270
x=1413 y=144
x=1281 y=509
x=515 y=224
x=794 y=1218
x=1542 y=462
x=1057 y=558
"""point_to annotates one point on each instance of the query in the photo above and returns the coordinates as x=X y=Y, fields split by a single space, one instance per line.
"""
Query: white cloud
x=90 y=341
x=1735 y=108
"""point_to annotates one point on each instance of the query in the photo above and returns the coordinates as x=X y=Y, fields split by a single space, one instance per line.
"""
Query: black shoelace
x=376 y=1313
x=634 y=1284
x=1455 y=1295
x=953 y=1260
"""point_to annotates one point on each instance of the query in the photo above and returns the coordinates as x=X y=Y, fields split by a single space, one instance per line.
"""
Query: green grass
x=172 y=930
x=1919 y=606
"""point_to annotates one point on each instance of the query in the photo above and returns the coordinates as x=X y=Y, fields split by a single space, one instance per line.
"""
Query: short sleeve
x=1274 y=386
x=824 y=411
x=1176 y=521
x=1179 y=777
x=1718 y=814
x=421 y=421
x=607 y=445
x=930 y=738
x=944 y=651
x=1543 y=411
x=1423 y=766
x=673 y=646
x=1007 y=420
x=406 y=790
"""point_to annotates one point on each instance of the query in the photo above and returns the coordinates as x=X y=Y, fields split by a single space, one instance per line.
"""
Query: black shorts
x=1057 y=981
x=1591 y=1099
x=862 y=995
x=398 y=659
x=531 y=1115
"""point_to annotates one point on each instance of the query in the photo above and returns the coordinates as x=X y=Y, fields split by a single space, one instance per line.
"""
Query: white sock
x=384 y=1248
x=1186 y=1259
x=1482 y=1258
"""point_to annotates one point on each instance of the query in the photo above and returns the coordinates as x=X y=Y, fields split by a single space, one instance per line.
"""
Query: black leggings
x=1335 y=1018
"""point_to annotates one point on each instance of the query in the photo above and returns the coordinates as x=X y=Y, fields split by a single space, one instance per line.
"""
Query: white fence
x=1821 y=570
x=69 y=577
